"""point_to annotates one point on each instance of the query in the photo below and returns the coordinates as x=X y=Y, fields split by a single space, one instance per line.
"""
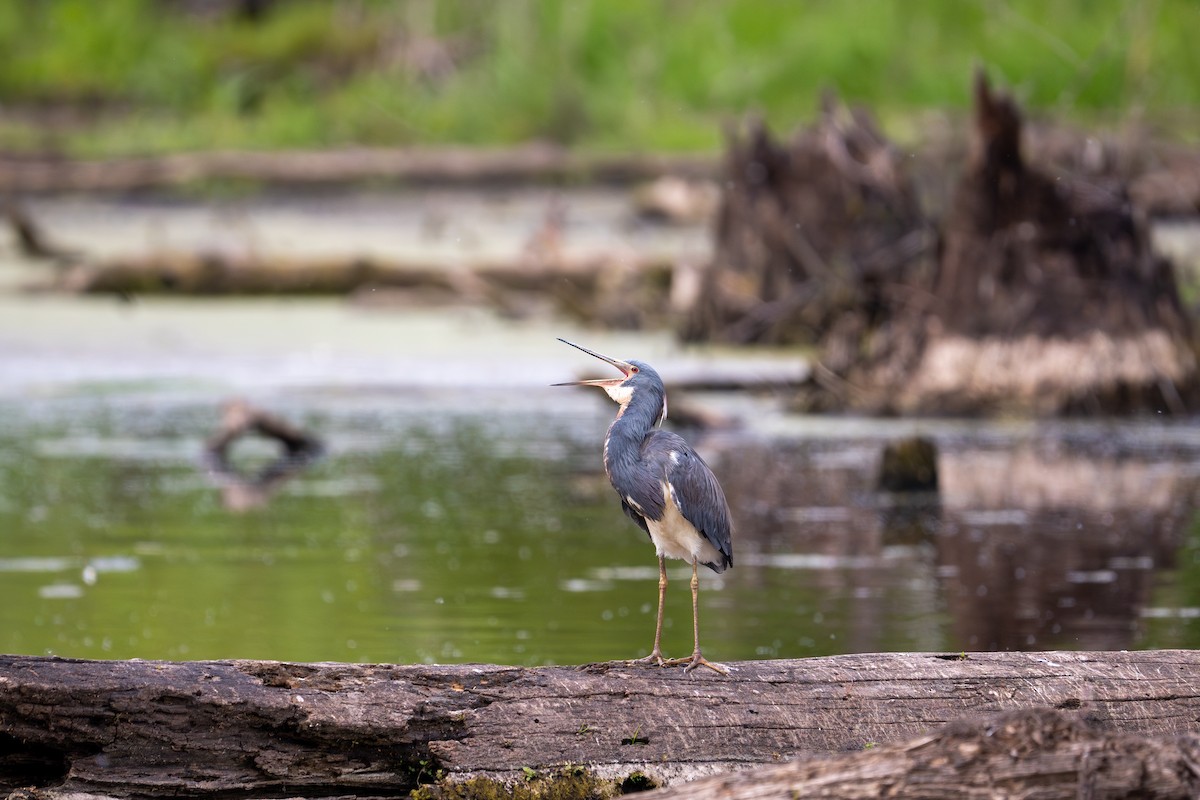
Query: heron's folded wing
x=700 y=499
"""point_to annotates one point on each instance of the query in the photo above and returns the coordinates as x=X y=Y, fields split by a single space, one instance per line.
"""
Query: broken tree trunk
x=31 y=241
x=266 y=729
x=810 y=234
x=1043 y=294
x=1047 y=298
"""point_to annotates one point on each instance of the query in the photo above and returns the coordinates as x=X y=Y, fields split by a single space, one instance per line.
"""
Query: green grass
x=599 y=74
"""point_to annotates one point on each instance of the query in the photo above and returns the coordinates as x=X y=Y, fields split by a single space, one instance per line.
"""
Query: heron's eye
x=633 y=370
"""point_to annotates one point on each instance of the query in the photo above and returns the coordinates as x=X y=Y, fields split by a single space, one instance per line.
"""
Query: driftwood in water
x=239 y=418
x=253 y=728
x=240 y=491
x=810 y=234
x=444 y=166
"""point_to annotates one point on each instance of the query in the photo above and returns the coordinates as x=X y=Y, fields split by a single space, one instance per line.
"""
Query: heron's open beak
x=626 y=368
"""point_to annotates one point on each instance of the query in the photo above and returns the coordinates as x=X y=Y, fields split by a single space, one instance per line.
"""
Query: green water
x=406 y=543
x=433 y=531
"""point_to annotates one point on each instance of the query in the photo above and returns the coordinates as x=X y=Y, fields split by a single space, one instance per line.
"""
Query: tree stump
x=1042 y=294
x=811 y=234
x=1047 y=296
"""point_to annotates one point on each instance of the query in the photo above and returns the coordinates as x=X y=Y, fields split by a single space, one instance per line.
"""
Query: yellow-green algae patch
x=567 y=783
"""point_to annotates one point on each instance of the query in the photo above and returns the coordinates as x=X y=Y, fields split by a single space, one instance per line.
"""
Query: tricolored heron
x=664 y=486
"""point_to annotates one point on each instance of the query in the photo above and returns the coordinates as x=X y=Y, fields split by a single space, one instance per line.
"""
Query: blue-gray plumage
x=664 y=486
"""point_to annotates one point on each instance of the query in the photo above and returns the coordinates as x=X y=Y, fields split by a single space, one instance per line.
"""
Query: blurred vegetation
x=156 y=75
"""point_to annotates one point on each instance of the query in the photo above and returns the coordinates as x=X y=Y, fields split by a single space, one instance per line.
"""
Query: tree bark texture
x=1033 y=753
x=268 y=729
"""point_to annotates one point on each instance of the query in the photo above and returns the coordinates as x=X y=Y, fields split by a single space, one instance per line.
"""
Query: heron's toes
x=654 y=659
x=698 y=660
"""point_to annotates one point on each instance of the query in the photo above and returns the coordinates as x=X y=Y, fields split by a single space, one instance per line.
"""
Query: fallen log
x=269 y=729
x=541 y=163
x=619 y=291
x=1021 y=754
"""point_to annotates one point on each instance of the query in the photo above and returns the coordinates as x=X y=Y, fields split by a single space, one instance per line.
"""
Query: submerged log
x=239 y=418
x=254 y=728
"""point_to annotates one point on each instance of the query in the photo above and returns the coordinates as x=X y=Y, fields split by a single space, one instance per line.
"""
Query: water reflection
x=813 y=531
x=1039 y=543
x=1045 y=545
x=431 y=533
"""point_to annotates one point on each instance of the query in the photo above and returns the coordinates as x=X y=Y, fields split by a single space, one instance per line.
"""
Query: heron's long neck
x=635 y=420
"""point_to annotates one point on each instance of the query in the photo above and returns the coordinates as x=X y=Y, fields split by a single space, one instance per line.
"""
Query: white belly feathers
x=675 y=537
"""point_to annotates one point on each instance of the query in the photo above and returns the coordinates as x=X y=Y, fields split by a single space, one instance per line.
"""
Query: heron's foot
x=697 y=660
x=654 y=659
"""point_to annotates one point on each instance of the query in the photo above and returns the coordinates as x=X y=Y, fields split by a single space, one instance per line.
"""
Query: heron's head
x=637 y=377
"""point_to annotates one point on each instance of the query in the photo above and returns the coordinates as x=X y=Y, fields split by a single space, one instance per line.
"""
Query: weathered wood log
x=253 y=728
x=217 y=273
x=1021 y=754
x=532 y=163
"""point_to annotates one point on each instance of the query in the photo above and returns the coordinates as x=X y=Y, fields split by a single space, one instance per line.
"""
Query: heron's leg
x=656 y=656
x=697 y=659
x=662 y=596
